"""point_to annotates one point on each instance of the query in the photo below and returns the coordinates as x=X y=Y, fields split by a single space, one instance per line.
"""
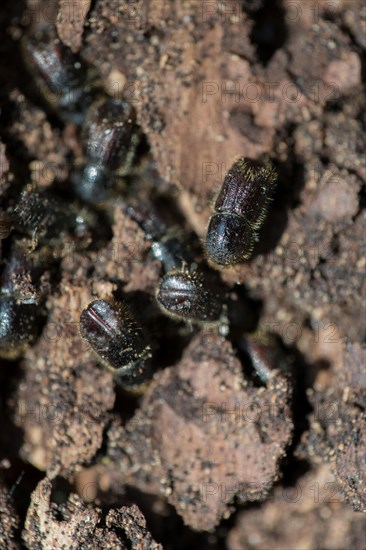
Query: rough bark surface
x=213 y=456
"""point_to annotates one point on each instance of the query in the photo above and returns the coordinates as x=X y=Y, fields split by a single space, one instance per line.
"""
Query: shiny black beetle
x=61 y=75
x=240 y=210
x=191 y=296
x=112 y=332
x=110 y=137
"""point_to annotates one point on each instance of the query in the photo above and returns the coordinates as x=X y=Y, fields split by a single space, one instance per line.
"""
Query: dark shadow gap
x=269 y=32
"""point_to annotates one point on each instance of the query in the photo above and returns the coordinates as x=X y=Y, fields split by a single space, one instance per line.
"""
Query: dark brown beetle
x=60 y=74
x=110 y=137
x=191 y=296
x=112 y=332
x=264 y=358
x=240 y=210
